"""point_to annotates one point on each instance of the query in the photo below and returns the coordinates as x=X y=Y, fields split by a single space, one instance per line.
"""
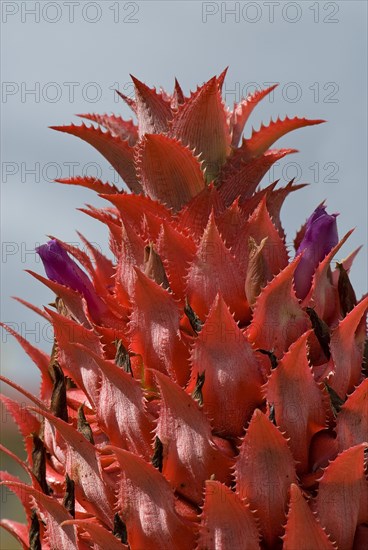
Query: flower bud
x=319 y=238
x=62 y=269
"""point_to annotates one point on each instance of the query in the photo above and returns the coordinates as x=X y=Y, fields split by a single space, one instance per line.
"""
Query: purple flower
x=319 y=238
x=62 y=269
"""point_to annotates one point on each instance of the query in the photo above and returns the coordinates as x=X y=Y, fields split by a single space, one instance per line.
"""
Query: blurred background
x=63 y=58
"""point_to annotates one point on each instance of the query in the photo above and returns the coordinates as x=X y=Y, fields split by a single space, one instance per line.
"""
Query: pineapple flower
x=62 y=269
x=319 y=238
x=199 y=404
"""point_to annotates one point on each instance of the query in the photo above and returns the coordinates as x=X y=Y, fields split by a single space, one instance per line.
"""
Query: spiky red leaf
x=347 y=351
x=21 y=463
x=264 y=471
x=90 y=182
x=71 y=299
x=241 y=177
x=226 y=521
x=259 y=226
x=201 y=124
x=135 y=210
x=117 y=152
x=112 y=223
x=100 y=536
x=232 y=387
x=84 y=468
x=131 y=255
x=263 y=138
x=303 y=531
x=298 y=402
x=168 y=171
x=124 y=129
x=275 y=200
x=155 y=329
x=16 y=486
x=128 y=100
x=213 y=270
x=153 y=111
x=103 y=269
x=178 y=96
x=26 y=422
x=195 y=215
x=278 y=319
x=32 y=307
x=190 y=455
x=24 y=392
x=342 y=500
x=39 y=357
x=243 y=110
x=57 y=536
x=147 y=504
x=221 y=78
x=249 y=205
x=120 y=410
x=178 y=252
x=352 y=420
x=230 y=223
x=76 y=364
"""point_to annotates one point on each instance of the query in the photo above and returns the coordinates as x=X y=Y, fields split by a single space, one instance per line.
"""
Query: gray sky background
x=317 y=51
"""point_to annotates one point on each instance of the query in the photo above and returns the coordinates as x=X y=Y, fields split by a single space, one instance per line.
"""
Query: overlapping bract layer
x=191 y=399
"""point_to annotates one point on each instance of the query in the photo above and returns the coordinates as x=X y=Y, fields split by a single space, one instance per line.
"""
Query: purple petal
x=59 y=267
x=319 y=238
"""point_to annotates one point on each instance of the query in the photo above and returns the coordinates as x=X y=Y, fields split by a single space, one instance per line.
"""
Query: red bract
x=191 y=399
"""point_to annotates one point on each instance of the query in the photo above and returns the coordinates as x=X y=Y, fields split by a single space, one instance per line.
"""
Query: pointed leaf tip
x=232 y=387
x=168 y=171
x=117 y=151
x=125 y=129
x=263 y=138
x=302 y=530
x=243 y=110
x=214 y=269
x=154 y=333
x=278 y=320
x=241 y=174
x=190 y=455
x=342 y=500
x=264 y=455
x=352 y=420
x=226 y=521
x=298 y=402
x=201 y=123
x=153 y=111
x=346 y=342
x=144 y=494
